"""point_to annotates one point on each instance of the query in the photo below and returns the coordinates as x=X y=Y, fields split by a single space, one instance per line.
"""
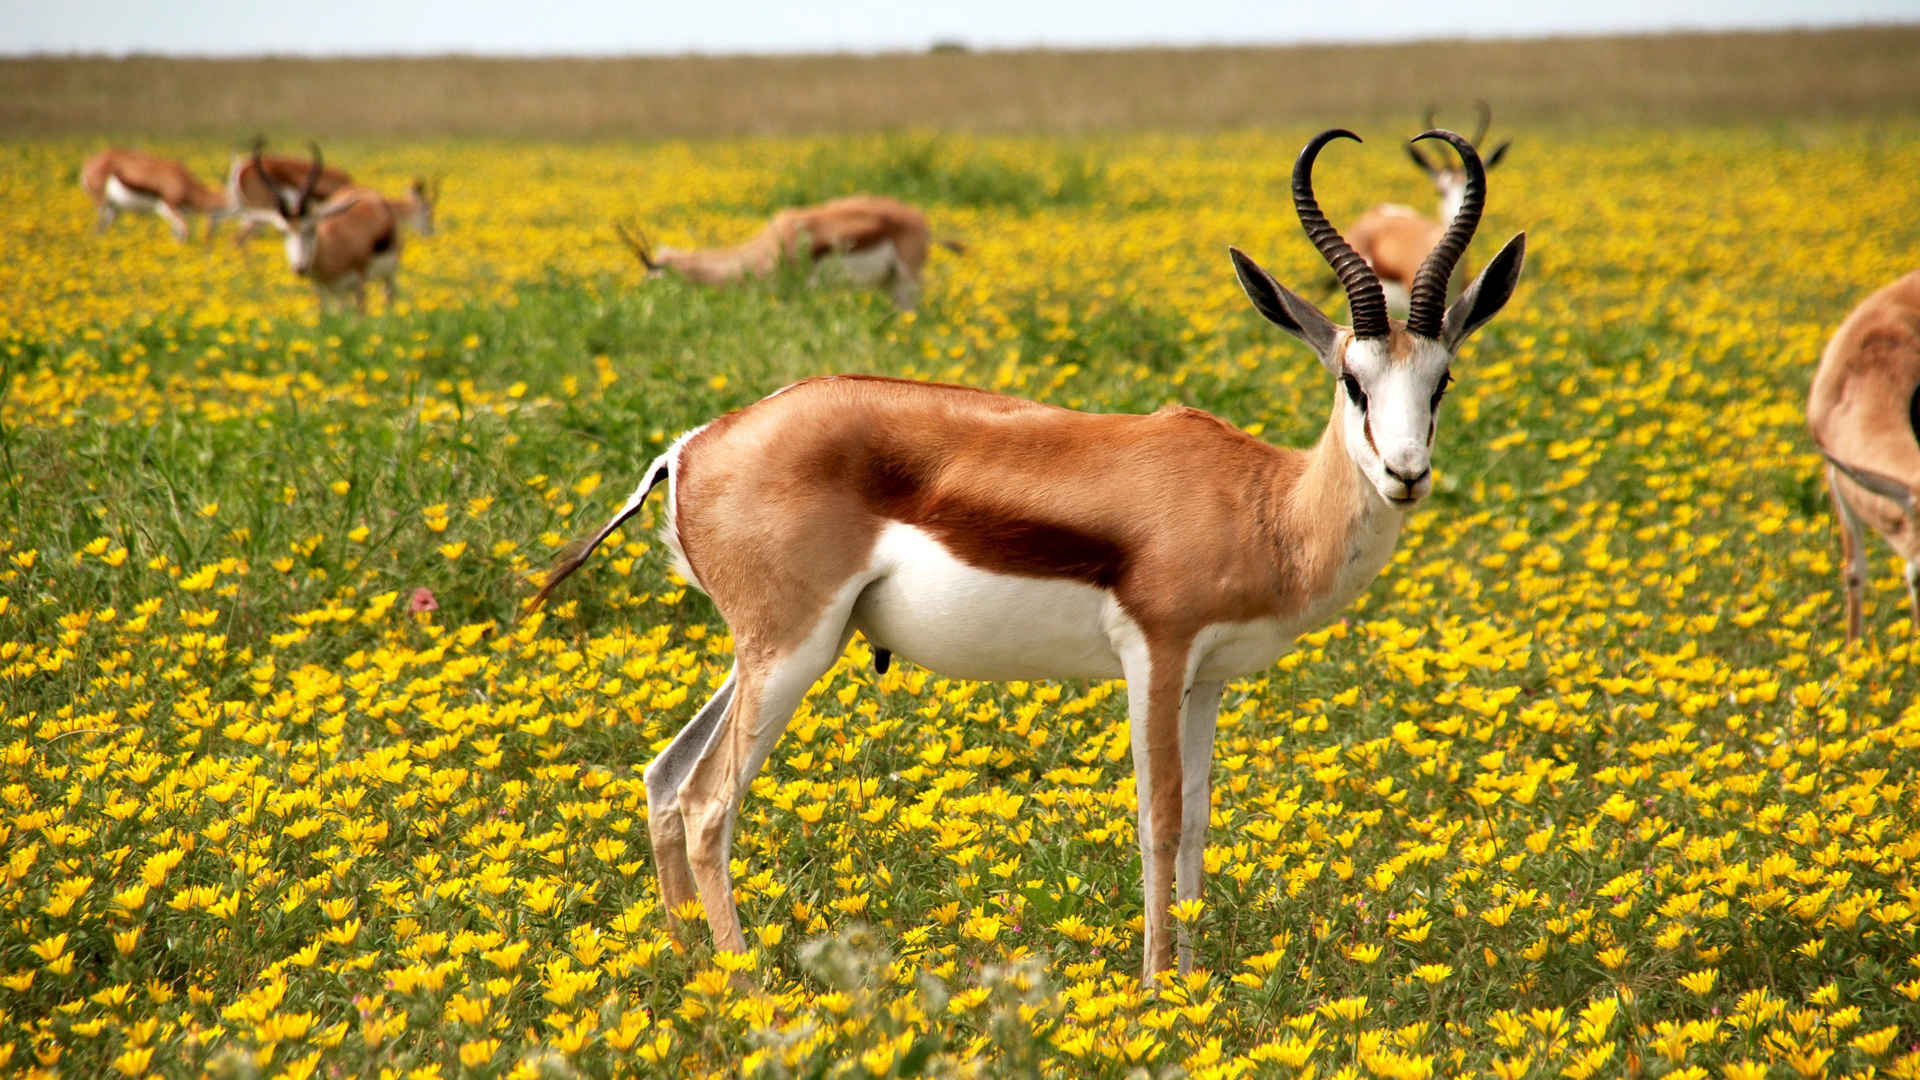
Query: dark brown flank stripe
x=982 y=538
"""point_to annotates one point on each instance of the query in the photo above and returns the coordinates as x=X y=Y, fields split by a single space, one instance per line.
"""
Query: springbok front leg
x=665 y=828
x=1155 y=689
x=1199 y=712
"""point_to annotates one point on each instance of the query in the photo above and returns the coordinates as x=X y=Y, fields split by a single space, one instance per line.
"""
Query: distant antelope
x=1864 y=411
x=340 y=244
x=1394 y=238
x=988 y=537
x=259 y=181
x=866 y=240
x=415 y=208
x=133 y=180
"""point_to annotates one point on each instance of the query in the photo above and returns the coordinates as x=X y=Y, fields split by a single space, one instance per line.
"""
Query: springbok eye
x=1446 y=379
x=1354 y=393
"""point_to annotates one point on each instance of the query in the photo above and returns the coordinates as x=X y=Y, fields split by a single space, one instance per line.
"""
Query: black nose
x=1408 y=480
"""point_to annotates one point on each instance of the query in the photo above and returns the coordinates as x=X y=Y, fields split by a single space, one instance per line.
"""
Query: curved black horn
x=1365 y=298
x=313 y=180
x=260 y=172
x=1427 y=299
x=636 y=242
x=1486 y=121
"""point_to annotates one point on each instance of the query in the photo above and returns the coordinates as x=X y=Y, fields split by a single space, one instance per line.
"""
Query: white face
x=303 y=242
x=1391 y=390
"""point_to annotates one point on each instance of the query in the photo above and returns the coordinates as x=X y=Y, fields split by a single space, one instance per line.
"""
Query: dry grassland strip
x=1671 y=79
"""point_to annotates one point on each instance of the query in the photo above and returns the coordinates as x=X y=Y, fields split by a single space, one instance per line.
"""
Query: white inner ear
x=338 y=208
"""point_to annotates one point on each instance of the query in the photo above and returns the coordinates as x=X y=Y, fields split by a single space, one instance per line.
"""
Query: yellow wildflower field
x=1584 y=785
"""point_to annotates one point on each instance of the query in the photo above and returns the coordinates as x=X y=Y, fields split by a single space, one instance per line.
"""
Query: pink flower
x=423 y=601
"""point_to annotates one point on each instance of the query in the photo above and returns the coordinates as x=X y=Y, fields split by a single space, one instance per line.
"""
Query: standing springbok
x=415 y=209
x=258 y=181
x=866 y=240
x=1864 y=411
x=1394 y=238
x=988 y=537
x=120 y=179
x=340 y=244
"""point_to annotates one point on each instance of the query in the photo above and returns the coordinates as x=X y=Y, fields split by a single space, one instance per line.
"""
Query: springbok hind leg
x=768 y=689
x=665 y=828
x=1853 y=555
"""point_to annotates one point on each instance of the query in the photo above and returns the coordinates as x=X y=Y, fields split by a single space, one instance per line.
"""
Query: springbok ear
x=1498 y=153
x=1419 y=158
x=341 y=207
x=1285 y=310
x=257 y=216
x=1484 y=298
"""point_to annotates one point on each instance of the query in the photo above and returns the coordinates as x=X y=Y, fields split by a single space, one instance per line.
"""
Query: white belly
x=956 y=619
x=382 y=267
x=870 y=267
x=126 y=198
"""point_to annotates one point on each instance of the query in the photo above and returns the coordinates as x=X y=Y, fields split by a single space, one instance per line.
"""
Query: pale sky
x=602 y=27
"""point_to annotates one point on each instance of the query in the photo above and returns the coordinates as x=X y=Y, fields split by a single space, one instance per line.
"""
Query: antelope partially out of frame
x=132 y=180
x=866 y=240
x=1395 y=238
x=259 y=182
x=341 y=244
x=1864 y=411
x=987 y=537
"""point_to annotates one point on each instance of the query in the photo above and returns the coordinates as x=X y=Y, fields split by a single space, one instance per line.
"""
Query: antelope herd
x=989 y=537
x=339 y=236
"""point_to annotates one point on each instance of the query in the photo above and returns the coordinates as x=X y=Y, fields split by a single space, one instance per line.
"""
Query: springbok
x=340 y=244
x=415 y=209
x=1864 y=411
x=1395 y=238
x=120 y=179
x=866 y=240
x=988 y=537
x=258 y=181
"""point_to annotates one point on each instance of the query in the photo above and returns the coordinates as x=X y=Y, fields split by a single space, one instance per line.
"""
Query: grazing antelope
x=1864 y=411
x=259 y=181
x=987 y=537
x=865 y=240
x=120 y=179
x=1394 y=238
x=340 y=244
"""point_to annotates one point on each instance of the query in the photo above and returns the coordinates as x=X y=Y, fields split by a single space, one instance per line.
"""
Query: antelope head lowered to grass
x=865 y=240
x=987 y=537
x=1864 y=411
x=1395 y=239
x=121 y=180
x=340 y=244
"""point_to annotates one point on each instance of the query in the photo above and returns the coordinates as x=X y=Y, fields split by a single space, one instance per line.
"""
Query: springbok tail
x=1880 y=484
x=576 y=553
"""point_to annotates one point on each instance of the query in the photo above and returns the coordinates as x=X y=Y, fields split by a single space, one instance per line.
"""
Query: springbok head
x=299 y=218
x=636 y=241
x=1392 y=375
x=1448 y=180
x=423 y=195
